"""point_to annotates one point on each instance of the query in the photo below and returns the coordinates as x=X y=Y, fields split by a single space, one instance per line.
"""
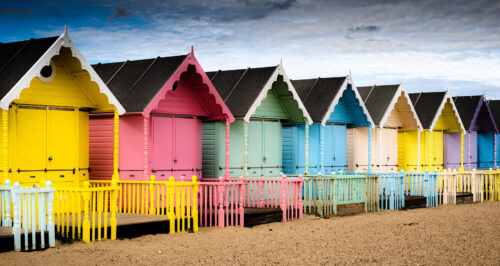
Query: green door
x=255 y=148
x=271 y=149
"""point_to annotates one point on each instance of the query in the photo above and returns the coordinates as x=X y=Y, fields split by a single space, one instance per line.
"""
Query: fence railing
x=491 y=184
x=323 y=193
x=86 y=213
x=28 y=210
x=423 y=184
x=453 y=182
x=392 y=190
x=221 y=202
x=6 y=204
x=175 y=199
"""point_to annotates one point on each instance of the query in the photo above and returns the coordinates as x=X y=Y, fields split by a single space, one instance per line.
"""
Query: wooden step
x=464 y=198
x=413 y=202
x=256 y=216
x=350 y=209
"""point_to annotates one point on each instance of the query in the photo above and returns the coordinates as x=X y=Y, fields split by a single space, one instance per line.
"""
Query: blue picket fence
x=395 y=186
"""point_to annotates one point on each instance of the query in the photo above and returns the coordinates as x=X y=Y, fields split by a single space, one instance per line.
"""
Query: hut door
x=271 y=159
x=437 y=154
x=31 y=160
x=329 y=150
x=185 y=146
x=485 y=149
x=339 y=156
x=62 y=144
x=162 y=146
x=255 y=144
x=390 y=154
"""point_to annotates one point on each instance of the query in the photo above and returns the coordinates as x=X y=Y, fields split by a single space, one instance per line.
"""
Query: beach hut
x=479 y=142
x=261 y=100
x=167 y=99
x=336 y=109
x=494 y=106
x=396 y=127
x=439 y=117
x=48 y=90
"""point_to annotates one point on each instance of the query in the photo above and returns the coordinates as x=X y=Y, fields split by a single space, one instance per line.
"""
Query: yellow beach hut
x=396 y=127
x=439 y=116
x=47 y=91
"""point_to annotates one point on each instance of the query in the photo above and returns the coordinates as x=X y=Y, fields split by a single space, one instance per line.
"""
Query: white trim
x=34 y=71
x=335 y=101
x=262 y=95
x=441 y=107
x=393 y=104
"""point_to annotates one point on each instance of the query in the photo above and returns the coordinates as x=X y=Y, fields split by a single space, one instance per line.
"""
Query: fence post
x=242 y=201
x=171 y=203
x=473 y=184
x=152 y=190
x=301 y=204
x=334 y=194
x=320 y=197
x=487 y=183
x=86 y=210
x=8 y=221
x=114 y=208
x=261 y=187
x=16 y=199
x=220 y=196
x=194 y=207
x=496 y=190
x=283 y=197
x=50 y=211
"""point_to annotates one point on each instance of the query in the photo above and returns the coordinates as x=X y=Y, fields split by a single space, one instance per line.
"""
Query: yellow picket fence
x=175 y=199
x=86 y=213
x=491 y=183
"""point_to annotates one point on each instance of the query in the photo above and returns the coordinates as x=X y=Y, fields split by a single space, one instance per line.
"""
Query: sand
x=463 y=234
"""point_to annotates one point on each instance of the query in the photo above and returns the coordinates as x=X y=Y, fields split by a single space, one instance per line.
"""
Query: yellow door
x=30 y=159
x=438 y=150
x=62 y=145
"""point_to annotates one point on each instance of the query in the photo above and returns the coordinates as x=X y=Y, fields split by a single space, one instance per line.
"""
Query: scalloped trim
x=394 y=100
x=34 y=71
x=279 y=71
x=441 y=107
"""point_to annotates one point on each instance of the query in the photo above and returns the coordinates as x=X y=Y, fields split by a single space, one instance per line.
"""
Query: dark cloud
x=16 y=11
x=365 y=28
x=121 y=13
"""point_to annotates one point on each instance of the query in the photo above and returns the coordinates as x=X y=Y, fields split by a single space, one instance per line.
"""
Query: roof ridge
x=311 y=89
x=370 y=93
x=116 y=72
x=140 y=77
x=418 y=98
x=14 y=56
x=215 y=75
x=236 y=85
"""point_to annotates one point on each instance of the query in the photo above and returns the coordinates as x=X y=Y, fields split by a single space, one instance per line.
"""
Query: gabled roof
x=467 y=106
x=140 y=84
x=429 y=105
x=321 y=95
x=317 y=94
x=494 y=106
x=135 y=83
x=244 y=89
x=380 y=100
x=22 y=61
x=470 y=108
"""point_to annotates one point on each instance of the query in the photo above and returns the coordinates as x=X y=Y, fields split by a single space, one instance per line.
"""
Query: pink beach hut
x=166 y=99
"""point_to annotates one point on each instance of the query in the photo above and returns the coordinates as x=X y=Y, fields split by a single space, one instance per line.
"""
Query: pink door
x=185 y=152
x=162 y=146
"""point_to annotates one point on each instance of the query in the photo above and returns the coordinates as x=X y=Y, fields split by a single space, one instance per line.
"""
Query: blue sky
x=430 y=45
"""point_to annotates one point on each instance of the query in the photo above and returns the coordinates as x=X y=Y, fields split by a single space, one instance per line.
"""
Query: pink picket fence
x=221 y=201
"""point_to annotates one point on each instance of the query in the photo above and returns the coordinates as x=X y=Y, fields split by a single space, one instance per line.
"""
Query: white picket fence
x=32 y=212
x=453 y=182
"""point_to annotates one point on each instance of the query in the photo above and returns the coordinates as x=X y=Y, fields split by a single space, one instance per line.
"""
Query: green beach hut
x=261 y=100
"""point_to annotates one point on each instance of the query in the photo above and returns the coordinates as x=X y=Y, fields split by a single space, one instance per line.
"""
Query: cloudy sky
x=430 y=45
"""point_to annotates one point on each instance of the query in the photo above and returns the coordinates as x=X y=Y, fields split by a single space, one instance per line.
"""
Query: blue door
x=485 y=149
x=339 y=157
x=329 y=149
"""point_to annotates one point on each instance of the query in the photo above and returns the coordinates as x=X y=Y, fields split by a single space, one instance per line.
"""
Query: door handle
x=264 y=158
x=50 y=158
x=334 y=158
x=175 y=159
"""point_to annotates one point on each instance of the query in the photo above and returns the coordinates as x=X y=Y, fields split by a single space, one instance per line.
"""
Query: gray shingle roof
x=377 y=99
x=426 y=105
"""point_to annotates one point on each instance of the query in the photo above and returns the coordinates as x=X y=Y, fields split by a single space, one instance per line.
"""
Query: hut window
x=47 y=73
x=174 y=87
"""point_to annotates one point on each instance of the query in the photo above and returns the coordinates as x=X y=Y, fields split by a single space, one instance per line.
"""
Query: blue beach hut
x=339 y=118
